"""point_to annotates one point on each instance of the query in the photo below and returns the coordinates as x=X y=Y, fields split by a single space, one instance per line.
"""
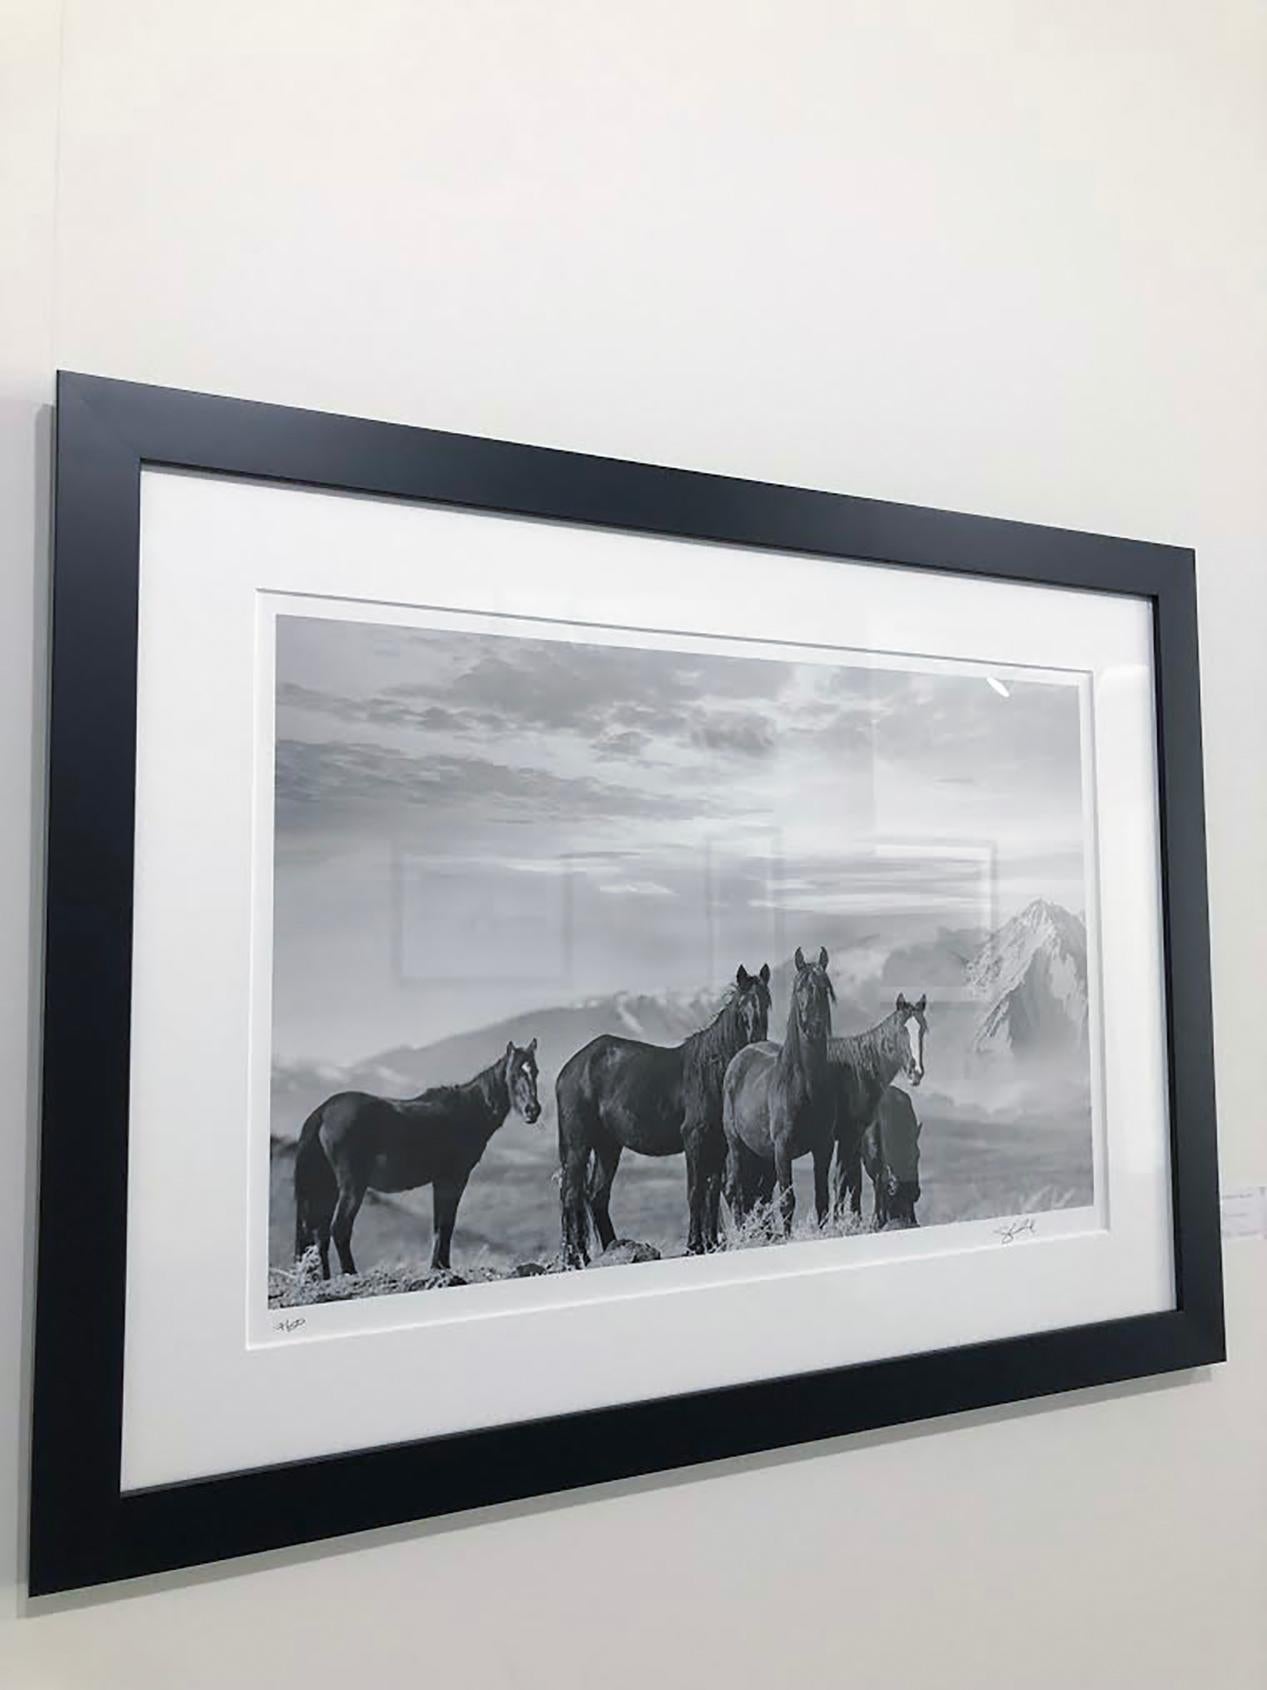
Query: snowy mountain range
x=1018 y=993
x=659 y=1018
x=1031 y=976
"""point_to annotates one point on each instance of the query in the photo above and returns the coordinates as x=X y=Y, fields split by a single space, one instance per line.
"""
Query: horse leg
x=787 y=1195
x=734 y=1186
x=749 y=1187
x=572 y=1202
x=712 y=1168
x=730 y=1185
x=345 y=1212
x=320 y=1215
x=734 y=1183
x=840 y=1173
x=712 y=1207
x=316 y=1192
x=763 y=1184
x=323 y=1243
x=606 y=1161
x=822 y=1172
x=872 y=1159
x=576 y=1124
x=446 y=1194
x=848 y=1177
x=706 y=1154
x=695 y=1199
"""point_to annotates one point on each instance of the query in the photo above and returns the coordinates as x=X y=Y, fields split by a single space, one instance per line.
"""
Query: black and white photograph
x=595 y=948
x=562 y=969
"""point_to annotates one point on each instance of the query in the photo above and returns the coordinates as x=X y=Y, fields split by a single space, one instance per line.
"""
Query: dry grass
x=763 y=1226
x=973 y=1167
x=302 y=1284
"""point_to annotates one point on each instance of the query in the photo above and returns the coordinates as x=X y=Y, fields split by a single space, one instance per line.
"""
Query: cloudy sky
x=469 y=825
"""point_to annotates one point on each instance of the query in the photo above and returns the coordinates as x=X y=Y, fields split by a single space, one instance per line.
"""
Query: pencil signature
x=290 y=1325
x=1014 y=1229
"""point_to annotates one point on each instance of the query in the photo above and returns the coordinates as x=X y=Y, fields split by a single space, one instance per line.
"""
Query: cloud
x=332 y=772
x=858 y=881
x=626 y=743
x=744 y=732
x=636 y=889
x=961 y=883
x=650 y=728
x=626 y=702
x=385 y=711
x=550 y=683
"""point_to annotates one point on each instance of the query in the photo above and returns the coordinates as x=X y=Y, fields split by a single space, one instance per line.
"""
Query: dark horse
x=890 y=1155
x=353 y=1143
x=862 y=1066
x=619 y=1094
x=777 y=1102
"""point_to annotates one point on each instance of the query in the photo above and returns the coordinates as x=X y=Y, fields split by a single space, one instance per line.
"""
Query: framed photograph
x=560 y=968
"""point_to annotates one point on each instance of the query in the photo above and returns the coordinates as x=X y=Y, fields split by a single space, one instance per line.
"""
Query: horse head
x=900 y=1143
x=912 y=1028
x=521 y=1079
x=812 y=996
x=752 y=1002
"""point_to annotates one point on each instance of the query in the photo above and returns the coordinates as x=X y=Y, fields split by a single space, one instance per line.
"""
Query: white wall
x=1003 y=255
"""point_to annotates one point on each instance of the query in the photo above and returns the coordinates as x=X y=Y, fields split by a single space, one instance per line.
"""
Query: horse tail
x=315 y=1187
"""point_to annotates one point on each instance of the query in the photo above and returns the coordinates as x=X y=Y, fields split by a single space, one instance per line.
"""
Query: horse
x=862 y=1065
x=354 y=1143
x=890 y=1155
x=617 y=1094
x=777 y=1101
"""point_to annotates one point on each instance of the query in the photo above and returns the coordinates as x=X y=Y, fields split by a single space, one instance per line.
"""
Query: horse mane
x=790 y=1050
x=706 y=1053
x=490 y=1082
x=865 y=1052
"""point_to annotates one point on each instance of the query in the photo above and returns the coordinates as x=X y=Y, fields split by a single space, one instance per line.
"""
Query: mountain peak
x=1037 y=908
x=1044 y=910
x=1033 y=974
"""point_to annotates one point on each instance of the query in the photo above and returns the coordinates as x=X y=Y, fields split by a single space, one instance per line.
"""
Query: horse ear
x=822 y=956
x=765 y=973
x=922 y=1005
x=901 y=1001
x=532 y=1043
x=742 y=976
x=510 y=1047
x=799 y=960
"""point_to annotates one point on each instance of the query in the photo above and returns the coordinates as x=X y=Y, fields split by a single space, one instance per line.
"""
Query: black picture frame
x=83 y=1531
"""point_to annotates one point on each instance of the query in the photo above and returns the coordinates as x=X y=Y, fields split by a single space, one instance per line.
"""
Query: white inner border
x=212 y=1383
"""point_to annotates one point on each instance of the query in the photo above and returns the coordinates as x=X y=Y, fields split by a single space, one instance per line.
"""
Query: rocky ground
x=303 y=1284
